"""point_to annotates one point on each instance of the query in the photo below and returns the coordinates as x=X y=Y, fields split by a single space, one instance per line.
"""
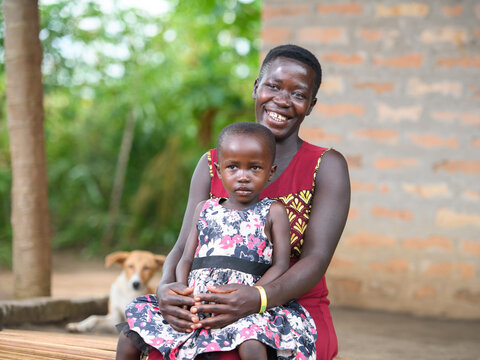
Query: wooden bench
x=40 y=345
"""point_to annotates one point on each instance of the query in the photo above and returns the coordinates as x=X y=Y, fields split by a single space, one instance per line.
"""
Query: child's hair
x=247 y=128
x=297 y=53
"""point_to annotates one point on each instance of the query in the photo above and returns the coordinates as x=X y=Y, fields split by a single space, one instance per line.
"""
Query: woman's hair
x=297 y=53
x=247 y=128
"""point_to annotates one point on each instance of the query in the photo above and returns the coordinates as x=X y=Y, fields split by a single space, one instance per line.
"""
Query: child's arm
x=183 y=267
x=277 y=229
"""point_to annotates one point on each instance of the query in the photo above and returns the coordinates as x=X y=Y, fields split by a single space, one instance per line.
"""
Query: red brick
x=365 y=239
x=379 y=135
x=357 y=186
x=471 y=247
x=452 y=11
x=458 y=166
x=449 y=218
x=398 y=114
x=343 y=59
x=425 y=291
x=471 y=195
x=351 y=285
x=351 y=8
x=340 y=110
x=433 y=141
x=440 y=270
x=393 y=266
x=270 y=12
x=450 y=35
x=470 y=119
x=339 y=262
x=467 y=271
x=378 y=87
x=353 y=213
x=462 y=61
x=395 y=163
x=322 y=35
x=332 y=85
x=465 y=118
x=430 y=243
x=371 y=35
x=428 y=191
x=407 y=61
x=276 y=35
x=381 y=212
x=312 y=134
x=354 y=161
x=418 y=88
x=405 y=9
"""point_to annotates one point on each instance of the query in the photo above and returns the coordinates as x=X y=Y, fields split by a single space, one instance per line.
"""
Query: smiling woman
x=312 y=183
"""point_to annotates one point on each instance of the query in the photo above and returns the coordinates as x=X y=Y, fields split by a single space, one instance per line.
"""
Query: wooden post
x=30 y=215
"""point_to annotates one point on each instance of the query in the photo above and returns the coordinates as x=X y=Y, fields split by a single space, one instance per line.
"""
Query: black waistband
x=229 y=262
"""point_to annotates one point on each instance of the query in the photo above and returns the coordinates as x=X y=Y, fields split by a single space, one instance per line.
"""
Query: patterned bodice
x=234 y=233
x=295 y=188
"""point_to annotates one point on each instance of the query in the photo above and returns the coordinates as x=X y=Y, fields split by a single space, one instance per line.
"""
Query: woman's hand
x=228 y=302
x=174 y=301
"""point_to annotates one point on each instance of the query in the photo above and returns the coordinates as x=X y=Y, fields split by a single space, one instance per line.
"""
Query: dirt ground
x=362 y=335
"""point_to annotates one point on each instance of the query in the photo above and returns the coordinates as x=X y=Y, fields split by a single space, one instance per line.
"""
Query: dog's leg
x=103 y=323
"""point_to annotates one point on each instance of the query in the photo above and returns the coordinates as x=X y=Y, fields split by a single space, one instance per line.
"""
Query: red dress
x=295 y=187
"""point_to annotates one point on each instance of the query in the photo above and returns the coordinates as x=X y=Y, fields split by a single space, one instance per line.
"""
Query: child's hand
x=174 y=300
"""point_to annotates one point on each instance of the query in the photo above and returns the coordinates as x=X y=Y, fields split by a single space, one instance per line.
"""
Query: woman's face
x=284 y=96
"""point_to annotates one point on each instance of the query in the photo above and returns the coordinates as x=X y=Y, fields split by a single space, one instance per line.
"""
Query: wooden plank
x=37 y=345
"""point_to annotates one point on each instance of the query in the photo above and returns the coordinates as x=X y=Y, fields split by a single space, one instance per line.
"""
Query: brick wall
x=401 y=100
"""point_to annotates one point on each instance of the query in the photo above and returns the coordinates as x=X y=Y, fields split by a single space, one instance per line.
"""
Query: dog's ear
x=116 y=257
x=160 y=259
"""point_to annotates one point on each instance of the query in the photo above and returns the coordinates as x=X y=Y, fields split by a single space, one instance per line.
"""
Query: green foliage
x=183 y=75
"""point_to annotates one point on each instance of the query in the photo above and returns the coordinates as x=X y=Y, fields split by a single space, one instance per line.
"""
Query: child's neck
x=232 y=204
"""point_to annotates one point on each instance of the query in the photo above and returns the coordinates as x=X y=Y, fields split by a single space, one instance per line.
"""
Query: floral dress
x=232 y=249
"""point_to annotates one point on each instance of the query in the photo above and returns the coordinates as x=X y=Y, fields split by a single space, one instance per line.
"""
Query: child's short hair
x=247 y=128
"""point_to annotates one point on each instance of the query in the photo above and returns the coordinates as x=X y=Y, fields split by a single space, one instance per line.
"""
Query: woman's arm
x=327 y=220
x=173 y=296
x=277 y=229
x=185 y=263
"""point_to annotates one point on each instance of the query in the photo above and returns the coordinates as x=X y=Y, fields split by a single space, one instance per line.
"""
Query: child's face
x=244 y=166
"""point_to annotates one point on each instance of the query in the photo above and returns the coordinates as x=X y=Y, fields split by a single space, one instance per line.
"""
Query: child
x=240 y=240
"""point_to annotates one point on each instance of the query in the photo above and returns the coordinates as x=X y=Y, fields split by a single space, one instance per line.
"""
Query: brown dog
x=138 y=268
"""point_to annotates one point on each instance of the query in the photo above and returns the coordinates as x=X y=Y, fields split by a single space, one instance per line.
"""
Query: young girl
x=241 y=240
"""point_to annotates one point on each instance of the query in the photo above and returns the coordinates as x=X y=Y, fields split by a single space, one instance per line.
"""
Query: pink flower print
x=156 y=342
x=261 y=246
x=250 y=245
x=300 y=356
x=257 y=223
x=254 y=239
x=212 y=347
x=247 y=333
x=140 y=306
x=277 y=340
x=173 y=354
x=227 y=242
x=131 y=323
x=143 y=323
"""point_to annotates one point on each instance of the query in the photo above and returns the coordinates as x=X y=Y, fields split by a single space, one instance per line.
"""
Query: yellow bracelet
x=263 y=299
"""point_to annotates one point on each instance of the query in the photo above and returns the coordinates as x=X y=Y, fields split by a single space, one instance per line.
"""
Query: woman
x=312 y=182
